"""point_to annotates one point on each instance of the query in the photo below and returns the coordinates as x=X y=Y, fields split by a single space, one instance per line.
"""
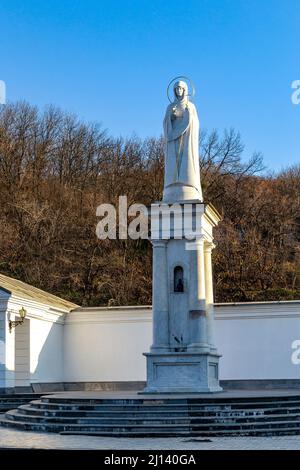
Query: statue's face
x=179 y=91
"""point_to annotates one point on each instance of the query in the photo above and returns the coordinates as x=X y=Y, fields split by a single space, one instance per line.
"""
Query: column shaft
x=197 y=304
x=209 y=295
x=160 y=304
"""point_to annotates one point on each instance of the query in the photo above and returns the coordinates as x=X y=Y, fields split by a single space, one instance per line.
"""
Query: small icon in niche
x=179 y=286
x=178 y=279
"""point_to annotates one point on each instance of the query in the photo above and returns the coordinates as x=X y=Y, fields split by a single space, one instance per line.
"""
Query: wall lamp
x=13 y=324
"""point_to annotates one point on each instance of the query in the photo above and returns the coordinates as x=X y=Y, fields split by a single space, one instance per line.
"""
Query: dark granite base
x=260 y=384
x=274 y=384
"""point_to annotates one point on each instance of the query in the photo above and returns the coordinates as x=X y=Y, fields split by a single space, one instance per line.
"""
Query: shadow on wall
x=3 y=312
x=46 y=354
x=31 y=353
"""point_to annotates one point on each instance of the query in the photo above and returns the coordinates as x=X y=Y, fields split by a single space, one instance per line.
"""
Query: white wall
x=256 y=340
x=106 y=344
x=45 y=343
x=22 y=354
x=6 y=345
x=46 y=351
x=2 y=345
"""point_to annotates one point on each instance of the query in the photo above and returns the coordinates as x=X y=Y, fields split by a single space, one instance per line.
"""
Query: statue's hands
x=174 y=111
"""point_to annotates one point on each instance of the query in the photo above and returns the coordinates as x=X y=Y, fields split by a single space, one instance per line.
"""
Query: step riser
x=107 y=415
x=12 y=405
x=9 y=402
x=109 y=409
x=149 y=429
x=195 y=424
x=19 y=415
x=48 y=400
x=245 y=413
x=151 y=433
x=198 y=408
x=95 y=421
x=158 y=414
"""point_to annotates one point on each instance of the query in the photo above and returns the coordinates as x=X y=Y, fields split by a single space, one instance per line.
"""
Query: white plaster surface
x=254 y=339
x=107 y=344
x=31 y=352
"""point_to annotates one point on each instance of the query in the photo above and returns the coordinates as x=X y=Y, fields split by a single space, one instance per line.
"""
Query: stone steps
x=165 y=419
x=170 y=401
x=112 y=404
x=159 y=416
x=10 y=401
x=16 y=415
x=27 y=409
x=159 y=430
x=39 y=404
x=195 y=413
x=253 y=433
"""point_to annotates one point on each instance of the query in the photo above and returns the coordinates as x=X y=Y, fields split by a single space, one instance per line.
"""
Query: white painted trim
x=259 y=310
x=257 y=315
x=34 y=310
x=270 y=302
x=35 y=304
x=216 y=304
x=111 y=309
x=144 y=314
x=46 y=316
x=104 y=316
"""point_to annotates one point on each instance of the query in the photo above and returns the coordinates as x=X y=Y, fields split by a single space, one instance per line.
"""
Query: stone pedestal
x=182 y=372
x=183 y=357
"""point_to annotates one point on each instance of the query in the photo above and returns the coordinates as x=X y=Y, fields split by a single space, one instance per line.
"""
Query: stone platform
x=231 y=413
x=182 y=373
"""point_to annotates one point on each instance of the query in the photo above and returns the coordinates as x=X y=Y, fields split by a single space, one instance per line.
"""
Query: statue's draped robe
x=182 y=148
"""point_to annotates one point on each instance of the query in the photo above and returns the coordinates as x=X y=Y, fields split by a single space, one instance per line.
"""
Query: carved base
x=182 y=372
x=181 y=192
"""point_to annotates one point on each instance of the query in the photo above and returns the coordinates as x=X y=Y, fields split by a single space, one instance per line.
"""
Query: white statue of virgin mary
x=181 y=131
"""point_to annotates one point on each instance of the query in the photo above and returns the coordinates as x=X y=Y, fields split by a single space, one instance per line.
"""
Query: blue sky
x=110 y=61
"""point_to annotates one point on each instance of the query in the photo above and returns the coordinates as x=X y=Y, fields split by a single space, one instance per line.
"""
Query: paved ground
x=30 y=440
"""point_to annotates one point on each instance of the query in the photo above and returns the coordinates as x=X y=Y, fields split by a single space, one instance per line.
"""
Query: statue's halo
x=181 y=77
